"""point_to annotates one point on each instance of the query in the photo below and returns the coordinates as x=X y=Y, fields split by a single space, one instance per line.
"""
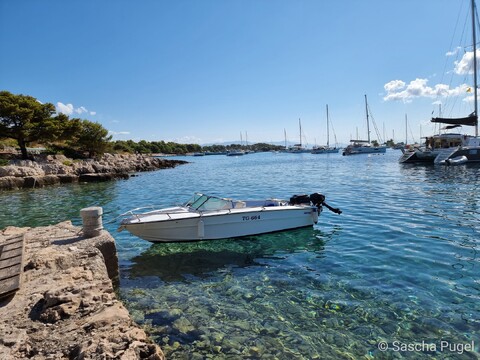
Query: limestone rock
x=55 y=169
x=66 y=307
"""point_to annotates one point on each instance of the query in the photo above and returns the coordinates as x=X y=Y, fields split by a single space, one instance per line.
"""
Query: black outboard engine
x=299 y=199
x=315 y=199
x=319 y=200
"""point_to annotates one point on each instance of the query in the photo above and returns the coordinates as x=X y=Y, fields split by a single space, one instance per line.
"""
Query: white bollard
x=92 y=221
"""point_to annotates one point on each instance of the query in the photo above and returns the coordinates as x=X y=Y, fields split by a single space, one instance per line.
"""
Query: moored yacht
x=364 y=146
x=453 y=148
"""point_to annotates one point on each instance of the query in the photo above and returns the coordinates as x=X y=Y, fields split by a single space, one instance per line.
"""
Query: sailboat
x=298 y=148
x=325 y=149
x=452 y=148
x=364 y=146
x=237 y=152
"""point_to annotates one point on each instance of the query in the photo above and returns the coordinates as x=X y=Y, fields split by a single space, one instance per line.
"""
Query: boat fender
x=201 y=229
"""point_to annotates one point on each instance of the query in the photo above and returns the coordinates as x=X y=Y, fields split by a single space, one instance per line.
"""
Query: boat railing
x=138 y=215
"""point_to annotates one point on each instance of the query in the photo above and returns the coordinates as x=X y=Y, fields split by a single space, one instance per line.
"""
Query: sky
x=213 y=71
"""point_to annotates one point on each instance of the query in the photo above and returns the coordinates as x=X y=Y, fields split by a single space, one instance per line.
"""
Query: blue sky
x=204 y=71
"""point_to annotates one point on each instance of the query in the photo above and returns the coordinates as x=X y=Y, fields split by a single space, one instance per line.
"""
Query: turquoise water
x=400 y=265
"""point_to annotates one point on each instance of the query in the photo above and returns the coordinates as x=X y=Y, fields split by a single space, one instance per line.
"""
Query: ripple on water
x=400 y=264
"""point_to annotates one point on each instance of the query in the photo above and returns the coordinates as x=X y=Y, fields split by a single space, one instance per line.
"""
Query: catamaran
x=450 y=148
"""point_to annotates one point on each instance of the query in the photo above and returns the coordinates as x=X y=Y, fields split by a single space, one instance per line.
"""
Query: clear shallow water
x=400 y=265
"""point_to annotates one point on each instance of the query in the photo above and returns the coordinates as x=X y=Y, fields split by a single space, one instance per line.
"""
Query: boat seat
x=240 y=204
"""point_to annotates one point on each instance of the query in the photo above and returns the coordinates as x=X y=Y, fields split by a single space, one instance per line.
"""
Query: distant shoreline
x=48 y=170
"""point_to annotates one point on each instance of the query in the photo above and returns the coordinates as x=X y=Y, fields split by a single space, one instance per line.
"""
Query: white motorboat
x=209 y=217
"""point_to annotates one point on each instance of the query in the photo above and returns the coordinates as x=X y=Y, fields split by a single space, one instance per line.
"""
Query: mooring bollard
x=92 y=221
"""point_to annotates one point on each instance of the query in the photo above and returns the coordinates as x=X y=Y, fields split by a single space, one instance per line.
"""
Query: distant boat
x=199 y=154
x=325 y=149
x=235 y=153
x=364 y=146
x=298 y=148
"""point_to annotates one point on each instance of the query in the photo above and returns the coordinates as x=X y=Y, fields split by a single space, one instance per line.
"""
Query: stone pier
x=66 y=307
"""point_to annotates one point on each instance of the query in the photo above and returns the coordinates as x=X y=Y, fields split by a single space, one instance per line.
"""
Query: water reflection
x=179 y=261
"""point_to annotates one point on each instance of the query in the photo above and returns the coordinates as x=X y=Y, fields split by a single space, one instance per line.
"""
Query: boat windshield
x=208 y=203
x=196 y=201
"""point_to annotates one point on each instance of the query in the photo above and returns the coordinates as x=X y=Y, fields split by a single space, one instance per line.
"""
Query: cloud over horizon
x=399 y=90
x=69 y=109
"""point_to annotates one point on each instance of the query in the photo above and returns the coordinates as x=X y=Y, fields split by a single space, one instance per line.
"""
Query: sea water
x=396 y=275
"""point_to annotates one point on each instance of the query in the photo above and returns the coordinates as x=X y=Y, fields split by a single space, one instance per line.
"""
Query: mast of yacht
x=475 y=66
x=368 y=124
x=328 y=132
x=406 y=130
x=300 y=125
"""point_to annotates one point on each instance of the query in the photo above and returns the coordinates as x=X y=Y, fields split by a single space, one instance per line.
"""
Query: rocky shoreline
x=57 y=169
x=66 y=307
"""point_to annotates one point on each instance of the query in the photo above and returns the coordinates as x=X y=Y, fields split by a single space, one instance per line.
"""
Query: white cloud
x=465 y=65
x=454 y=51
x=69 y=109
x=188 y=140
x=399 y=90
x=64 y=109
x=119 y=132
x=81 y=110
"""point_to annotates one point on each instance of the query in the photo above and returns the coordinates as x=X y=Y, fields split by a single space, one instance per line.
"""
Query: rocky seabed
x=58 y=169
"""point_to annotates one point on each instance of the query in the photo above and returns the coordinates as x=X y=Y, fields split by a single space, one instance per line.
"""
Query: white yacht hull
x=192 y=226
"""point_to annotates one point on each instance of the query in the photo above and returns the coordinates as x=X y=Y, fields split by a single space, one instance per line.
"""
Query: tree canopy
x=26 y=120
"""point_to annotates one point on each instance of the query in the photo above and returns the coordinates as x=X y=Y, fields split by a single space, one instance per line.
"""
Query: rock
x=55 y=169
x=66 y=306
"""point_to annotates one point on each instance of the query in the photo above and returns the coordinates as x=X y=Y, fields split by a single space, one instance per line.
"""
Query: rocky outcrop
x=57 y=169
x=66 y=307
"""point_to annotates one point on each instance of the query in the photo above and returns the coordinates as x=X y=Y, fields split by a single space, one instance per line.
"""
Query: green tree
x=92 y=138
x=26 y=120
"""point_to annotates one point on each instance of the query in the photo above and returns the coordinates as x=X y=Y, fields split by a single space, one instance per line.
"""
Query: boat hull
x=224 y=224
x=325 y=151
x=355 y=150
x=462 y=155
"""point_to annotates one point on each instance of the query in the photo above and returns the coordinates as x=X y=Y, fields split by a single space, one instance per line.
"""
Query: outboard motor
x=299 y=200
x=319 y=200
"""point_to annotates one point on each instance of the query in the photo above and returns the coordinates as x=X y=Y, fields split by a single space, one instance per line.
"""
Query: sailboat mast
x=300 y=125
x=328 y=132
x=368 y=124
x=406 y=130
x=475 y=66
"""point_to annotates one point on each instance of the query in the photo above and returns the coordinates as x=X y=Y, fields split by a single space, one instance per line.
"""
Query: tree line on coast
x=25 y=121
